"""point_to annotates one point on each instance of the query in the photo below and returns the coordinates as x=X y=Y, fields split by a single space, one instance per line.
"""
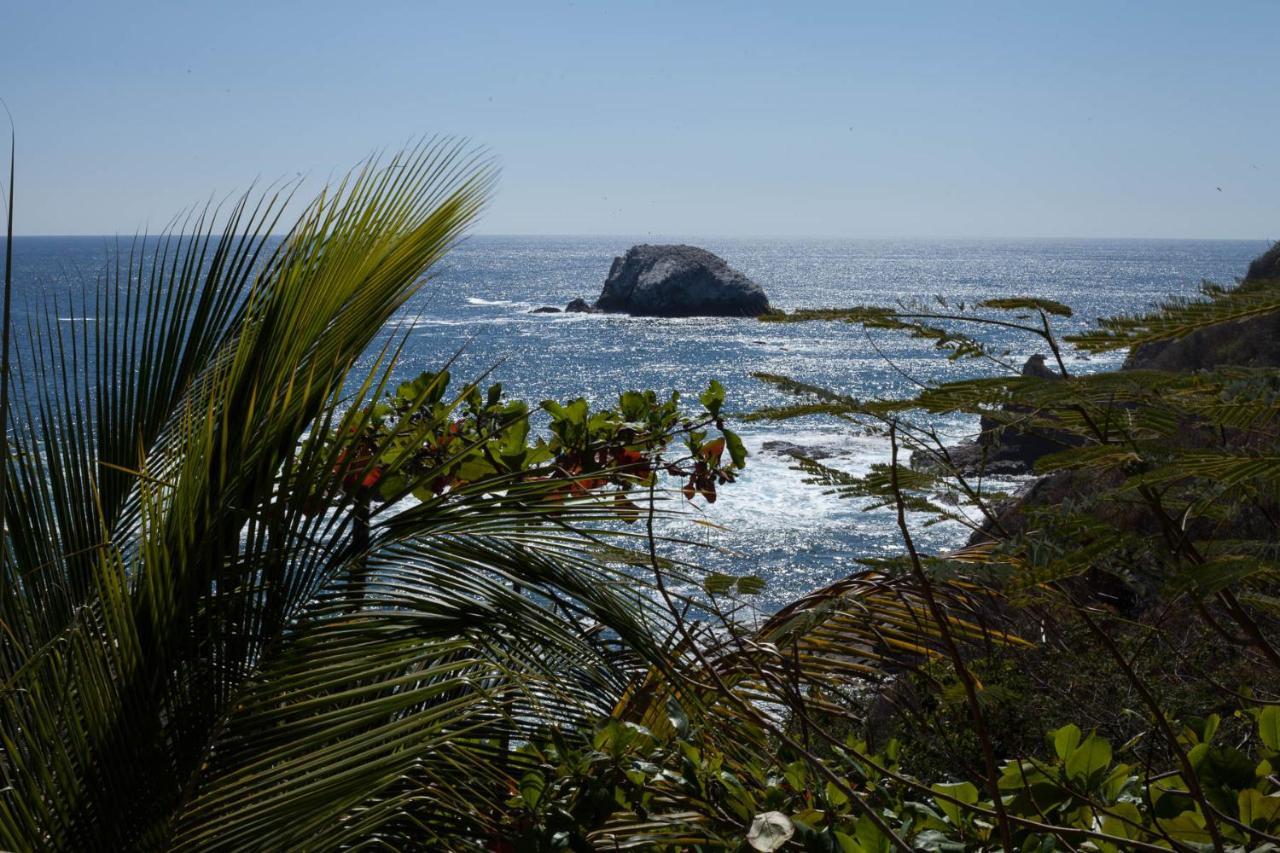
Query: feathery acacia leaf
x=1178 y=318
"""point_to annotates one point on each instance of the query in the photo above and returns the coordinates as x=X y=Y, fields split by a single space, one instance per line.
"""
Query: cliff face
x=1265 y=267
x=1244 y=343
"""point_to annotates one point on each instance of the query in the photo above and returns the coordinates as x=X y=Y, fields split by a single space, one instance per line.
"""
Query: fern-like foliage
x=1179 y=317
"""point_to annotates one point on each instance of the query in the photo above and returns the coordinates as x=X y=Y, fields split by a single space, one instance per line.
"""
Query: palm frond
x=161 y=547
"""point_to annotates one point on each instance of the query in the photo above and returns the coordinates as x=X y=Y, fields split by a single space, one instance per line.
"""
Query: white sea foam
x=771 y=495
x=424 y=322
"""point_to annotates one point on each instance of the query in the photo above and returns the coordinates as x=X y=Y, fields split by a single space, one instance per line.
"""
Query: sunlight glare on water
x=795 y=536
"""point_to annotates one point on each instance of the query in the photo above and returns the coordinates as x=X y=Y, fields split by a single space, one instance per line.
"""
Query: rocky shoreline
x=1005 y=449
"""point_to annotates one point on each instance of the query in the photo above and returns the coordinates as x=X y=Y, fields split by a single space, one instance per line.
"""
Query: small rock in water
x=580 y=306
x=545 y=309
x=1035 y=366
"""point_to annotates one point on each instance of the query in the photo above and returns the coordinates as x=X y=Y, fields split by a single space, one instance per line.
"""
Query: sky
x=789 y=119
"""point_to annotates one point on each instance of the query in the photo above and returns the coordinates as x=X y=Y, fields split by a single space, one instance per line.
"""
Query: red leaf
x=629 y=457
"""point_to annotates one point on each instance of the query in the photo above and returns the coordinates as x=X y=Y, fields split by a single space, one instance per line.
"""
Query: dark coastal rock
x=679 y=281
x=1037 y=366
x=973 y=459
x=1242 y=343
x=580 y=306
x=1017 y=448
x=545 y=309
x=1003 y=447
x=799 y=451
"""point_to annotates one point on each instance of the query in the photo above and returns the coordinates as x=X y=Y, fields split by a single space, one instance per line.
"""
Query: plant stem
x=5 y=324
x=953 y=650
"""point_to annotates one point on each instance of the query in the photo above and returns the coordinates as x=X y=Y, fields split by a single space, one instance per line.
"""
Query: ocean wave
x=772 y=494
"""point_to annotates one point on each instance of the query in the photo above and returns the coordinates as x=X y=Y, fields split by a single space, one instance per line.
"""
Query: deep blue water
x=788 y=532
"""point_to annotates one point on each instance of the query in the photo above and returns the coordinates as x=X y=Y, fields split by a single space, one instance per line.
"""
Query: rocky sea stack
x=679 y=281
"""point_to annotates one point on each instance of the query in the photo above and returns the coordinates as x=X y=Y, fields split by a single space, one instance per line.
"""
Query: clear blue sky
x=681 y=118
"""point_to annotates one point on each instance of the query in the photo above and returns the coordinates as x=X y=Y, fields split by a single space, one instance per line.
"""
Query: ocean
x=770 y=523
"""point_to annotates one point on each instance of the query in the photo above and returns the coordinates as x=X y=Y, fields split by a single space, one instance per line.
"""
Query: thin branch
x=944 y=630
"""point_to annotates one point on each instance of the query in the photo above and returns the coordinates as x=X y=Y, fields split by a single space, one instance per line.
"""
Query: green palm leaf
x=183 y=665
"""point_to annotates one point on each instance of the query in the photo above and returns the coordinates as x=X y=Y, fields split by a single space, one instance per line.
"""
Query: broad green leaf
x=1259 y=811
x=1114 y=784
x=1211 y=724
x=1188 y=826
x=712 y=398
x=1122 y=819
x=1269 y=726
x=870 y=838
x=737 y=451
x=1065 y=740
x=847 y=844
x=1089 y=761
x=965 y=792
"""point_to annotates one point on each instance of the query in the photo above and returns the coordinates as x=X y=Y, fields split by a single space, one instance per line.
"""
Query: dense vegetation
x=256 y=594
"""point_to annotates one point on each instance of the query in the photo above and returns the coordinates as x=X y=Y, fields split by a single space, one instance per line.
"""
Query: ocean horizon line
x=816 y=238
